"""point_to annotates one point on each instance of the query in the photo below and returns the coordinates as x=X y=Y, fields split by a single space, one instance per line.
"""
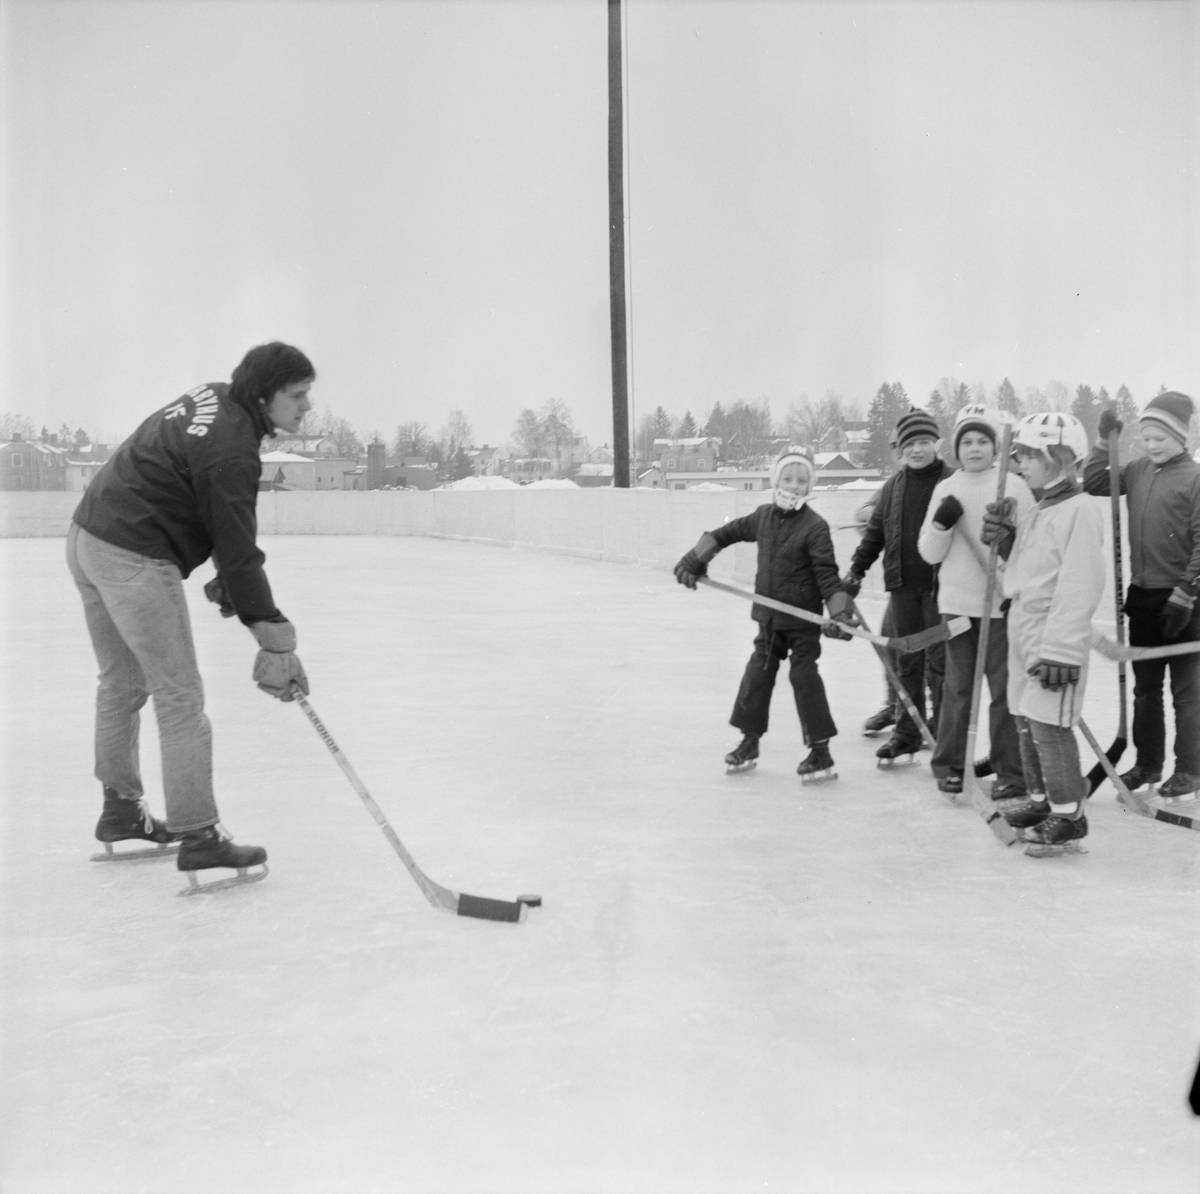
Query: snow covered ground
x=734 y=984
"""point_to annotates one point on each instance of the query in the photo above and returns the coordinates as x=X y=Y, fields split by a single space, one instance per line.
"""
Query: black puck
x=534 y=901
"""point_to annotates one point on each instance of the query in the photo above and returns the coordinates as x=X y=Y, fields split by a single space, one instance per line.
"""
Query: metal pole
x=616 y=250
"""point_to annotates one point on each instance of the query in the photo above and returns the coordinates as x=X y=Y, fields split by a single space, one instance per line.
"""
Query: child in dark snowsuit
x=796 y=564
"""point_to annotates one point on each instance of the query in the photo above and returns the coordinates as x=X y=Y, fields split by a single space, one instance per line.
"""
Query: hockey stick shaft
x=904 y=644
x=897 y=684
x=1130 y=799
x=439 y=896
x=980 y=801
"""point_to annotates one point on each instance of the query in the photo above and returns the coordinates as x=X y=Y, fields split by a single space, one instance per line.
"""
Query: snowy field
x=734 y=984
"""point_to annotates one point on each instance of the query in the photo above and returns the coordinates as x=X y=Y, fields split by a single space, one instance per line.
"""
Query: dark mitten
x=1054 y=675
x=695 y=564
x=999 y=525
x=852 y=583
x=1109 y=423
x=1177 y=613
x=834 y=629
x=949 y=511
x=216 y=592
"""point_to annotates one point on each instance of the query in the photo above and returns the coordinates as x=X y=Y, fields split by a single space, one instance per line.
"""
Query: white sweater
x=962 y=583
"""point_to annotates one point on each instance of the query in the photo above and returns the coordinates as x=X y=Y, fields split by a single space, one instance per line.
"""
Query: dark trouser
x=950 y=754
x=888 y=628
x=752 y=708
x=1143 y=607
x=1050 y=756
x=914 y=610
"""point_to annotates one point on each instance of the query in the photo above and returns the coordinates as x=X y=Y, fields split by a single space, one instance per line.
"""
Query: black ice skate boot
x=1141 y=777
x=983 y=766
x=897 y=750
x=130 y=820
x=203 y=849
x=1025 y=814
x=744 y=756
x=1180 y=787
x=1006 y=796
x=1057 y=834
x=878 y=722
x=818 y=766
x=951 y=784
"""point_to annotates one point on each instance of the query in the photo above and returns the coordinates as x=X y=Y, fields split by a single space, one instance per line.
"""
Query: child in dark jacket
x=1162 y=490
x=796 y=564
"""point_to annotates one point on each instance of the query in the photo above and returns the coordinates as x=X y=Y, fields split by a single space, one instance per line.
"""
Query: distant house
x=416 y=472
x=487 y=462
x=287 y=470
x=696 y=454
x=30 y=464
x=834 y=468
x=594 y=476
x=526 y=469
x=657 y=478
x=310 y=446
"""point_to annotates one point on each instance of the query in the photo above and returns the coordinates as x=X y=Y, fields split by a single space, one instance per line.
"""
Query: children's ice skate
x=1181 y=787
x=130 y=820
x=983 y=767
x=897 y=751
x=744 y=756
x=878 y=722
x=1141 y=777
x=203 y=849
x=1025 y=814
x=818 y=766
x=1006 y=796
x=951 y=784
x=1056 y=835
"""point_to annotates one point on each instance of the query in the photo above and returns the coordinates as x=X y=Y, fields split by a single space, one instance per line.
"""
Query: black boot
x=1057 y=834
x=1027 y=813
x=818 y=765
x=895 y=748
x=743 y=756
x=878 y=722
x=1141 y=777
x=203 y=849
x=125 y=820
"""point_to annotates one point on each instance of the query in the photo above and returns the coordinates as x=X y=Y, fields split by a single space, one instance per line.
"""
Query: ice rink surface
x=735 y=984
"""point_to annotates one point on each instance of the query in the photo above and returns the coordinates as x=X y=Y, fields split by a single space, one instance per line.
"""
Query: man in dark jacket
x=911 y=583
x=184 y=486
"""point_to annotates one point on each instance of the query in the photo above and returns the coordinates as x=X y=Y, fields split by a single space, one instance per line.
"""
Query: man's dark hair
x=266 y=370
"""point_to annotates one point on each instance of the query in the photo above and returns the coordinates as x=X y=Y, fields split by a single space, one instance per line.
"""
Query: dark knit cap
x=916 y=423
x=1173 y=411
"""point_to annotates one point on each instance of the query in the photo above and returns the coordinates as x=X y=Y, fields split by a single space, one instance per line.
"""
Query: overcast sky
x=821 y=196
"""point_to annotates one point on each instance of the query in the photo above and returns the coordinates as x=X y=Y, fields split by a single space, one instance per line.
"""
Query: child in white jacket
x=951 y=538
x=1055 y=579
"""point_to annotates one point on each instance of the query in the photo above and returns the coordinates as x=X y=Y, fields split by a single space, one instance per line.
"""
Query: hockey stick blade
x=1129 y=799
x=905 y=644
x=1119 y=654
x=440 y=897
x=1098 y=774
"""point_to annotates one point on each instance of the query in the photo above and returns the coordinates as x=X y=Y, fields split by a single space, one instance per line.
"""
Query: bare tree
x=11 y=425
x=558 y=430
x=411 y=439
x=527 y=434
x=456 y=433
x=825 y=421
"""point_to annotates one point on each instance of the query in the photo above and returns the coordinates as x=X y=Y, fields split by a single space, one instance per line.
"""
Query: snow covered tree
x=411 y=439
x=558 y=430
x=687 y=427
x=889 y=403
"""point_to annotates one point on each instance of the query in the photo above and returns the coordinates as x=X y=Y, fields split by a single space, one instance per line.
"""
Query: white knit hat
x=792 y=456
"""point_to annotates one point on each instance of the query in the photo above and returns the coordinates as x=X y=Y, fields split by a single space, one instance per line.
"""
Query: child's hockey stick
x=439 y=896
x=1129 y=799
x=979 y=799
x=904 y=643
x=1095 y=777
x=1111 y=650
x=899 y=688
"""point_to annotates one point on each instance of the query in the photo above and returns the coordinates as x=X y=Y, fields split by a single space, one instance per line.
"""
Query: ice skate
x=983 y=766
x=1141 y=777
x=1025 y=814
x=952 y=784
x=1056 y=835
x=744 y=756
x=878 y=722
x=203 y=849
x=1180 y=788
x=818 y=766
x=130 y=820
x=897 y=752
x=1006 y=796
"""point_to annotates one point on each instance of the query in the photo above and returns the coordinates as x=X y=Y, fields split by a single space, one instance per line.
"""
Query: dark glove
x=948 y=512
x=852 y=582
x=277 y=667
x=216 y=592
x=1177 y=613
x=1053 y=675
x=1109 y=423
x=999 y=525
x=690 y=569
x=832 y=629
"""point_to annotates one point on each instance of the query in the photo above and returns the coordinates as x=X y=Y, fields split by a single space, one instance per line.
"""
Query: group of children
x=935 y=523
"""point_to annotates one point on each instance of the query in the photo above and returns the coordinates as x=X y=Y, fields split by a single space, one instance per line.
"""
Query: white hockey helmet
x=1043 y=430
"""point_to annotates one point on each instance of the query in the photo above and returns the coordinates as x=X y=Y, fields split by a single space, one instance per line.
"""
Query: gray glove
x=277 y=667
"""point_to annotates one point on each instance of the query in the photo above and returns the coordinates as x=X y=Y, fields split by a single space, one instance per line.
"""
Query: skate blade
x=897 y=761
x=1175 y=801
x=244 y=876
x=876 y=733
x=819 y=777
x=740 y=768
x=148 y=853
x=1046 y=850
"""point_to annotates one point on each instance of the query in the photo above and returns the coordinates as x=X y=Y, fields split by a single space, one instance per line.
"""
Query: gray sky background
x=822 y=196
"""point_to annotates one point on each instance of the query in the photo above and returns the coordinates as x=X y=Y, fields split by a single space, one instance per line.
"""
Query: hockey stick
x=979 y=799
x=904 y=643
x=1095 y=777
x=439 y=896
x=899 y=688
x=1115 y=651
x=1129 y=799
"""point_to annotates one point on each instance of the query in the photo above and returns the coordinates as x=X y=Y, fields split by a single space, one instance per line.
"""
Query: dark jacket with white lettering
x=184 y=486
x=796 y=563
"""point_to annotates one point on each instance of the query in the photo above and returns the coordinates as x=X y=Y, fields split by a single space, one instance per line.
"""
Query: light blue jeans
x=138 y=620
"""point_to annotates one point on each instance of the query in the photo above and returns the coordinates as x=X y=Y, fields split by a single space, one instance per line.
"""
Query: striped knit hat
x=792 y=456
x=916 y=423
x=1173 y=411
